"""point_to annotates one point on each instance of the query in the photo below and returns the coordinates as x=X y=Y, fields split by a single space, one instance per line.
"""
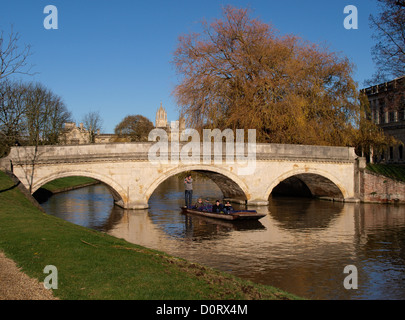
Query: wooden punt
x=232 y=216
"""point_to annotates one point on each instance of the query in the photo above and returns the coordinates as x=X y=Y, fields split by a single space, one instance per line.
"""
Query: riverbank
x=62 y=185
x=68 y=183
x=94 y=265
x=383 y=183
x=392 y=171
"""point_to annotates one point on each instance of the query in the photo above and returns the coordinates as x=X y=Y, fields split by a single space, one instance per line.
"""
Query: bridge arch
x=310 y=177
x=233 y=186
x=116 y=189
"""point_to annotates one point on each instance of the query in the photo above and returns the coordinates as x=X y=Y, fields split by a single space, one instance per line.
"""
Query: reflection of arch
x=214 y=173
x=315 y=175
x=115 y=189
x=305 y=214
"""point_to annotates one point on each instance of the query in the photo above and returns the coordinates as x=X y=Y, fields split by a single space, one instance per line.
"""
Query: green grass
x=67 y=183
x=94 y=265
x=396 y=172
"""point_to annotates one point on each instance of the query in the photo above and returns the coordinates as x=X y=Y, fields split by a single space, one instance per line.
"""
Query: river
x=301 y=246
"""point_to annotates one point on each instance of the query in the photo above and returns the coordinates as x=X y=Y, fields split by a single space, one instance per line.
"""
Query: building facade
x=387 y=107
x=73 y=135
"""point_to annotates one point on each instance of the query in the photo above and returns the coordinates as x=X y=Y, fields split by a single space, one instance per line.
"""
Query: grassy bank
x=68 y=183
x=93 y=265
x=396 y=172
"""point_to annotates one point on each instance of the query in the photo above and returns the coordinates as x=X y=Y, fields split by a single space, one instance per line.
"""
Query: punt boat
x=233 y=215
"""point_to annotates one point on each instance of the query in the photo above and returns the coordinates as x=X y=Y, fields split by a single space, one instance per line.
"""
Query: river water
x=302 y=245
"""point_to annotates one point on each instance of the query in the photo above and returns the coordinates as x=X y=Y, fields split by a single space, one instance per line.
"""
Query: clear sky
x=114 y=56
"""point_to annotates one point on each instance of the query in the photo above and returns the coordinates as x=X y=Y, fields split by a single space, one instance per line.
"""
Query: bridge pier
x=257 y=203
x=136 y=205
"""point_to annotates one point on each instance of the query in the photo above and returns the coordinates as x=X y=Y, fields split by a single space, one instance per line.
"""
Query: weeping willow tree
x=240 y=73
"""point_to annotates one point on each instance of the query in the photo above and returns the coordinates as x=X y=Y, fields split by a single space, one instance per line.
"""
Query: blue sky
x=114 y=56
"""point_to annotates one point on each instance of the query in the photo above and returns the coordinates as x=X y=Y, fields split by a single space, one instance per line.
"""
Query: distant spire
x=161 y=117
x=161 y=107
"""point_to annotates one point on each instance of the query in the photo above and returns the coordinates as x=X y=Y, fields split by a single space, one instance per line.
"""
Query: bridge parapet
x=293 y=151
x=139 y=152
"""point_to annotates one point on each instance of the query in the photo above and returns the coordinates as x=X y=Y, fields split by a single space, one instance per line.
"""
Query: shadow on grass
x=11 y=188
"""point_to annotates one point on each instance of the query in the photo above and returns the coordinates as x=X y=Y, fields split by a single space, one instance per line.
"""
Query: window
x=391 y=116
x=377 y=117
x=401 y=115
x=401 y=152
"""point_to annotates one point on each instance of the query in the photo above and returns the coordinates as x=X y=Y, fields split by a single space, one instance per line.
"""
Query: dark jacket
x=217 y=208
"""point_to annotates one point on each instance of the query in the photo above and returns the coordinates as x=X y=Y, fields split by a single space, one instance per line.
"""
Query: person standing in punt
x=188 y=193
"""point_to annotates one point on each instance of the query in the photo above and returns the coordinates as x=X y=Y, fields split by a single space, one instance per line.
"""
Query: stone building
x=105 y=137
x=71 y=134
x=387 y=106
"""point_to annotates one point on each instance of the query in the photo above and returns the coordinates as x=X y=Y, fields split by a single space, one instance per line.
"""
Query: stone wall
x=378 y=188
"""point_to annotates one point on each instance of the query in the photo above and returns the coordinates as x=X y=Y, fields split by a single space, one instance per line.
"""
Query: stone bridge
x=330 y=172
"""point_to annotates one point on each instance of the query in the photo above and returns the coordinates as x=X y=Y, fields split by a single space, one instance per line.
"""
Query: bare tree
x=389 y=53
x=30 y=114
x=12 y=114
x=93 y=122
x=389 y=50
x=45 y=115
x=13 y=59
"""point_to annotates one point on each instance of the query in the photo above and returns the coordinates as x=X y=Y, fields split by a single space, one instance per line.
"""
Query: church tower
x=161 y=118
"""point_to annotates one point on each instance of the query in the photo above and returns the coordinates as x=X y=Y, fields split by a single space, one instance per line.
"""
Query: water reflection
x=89 y=207
x=304 y=213
x=301 y=246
